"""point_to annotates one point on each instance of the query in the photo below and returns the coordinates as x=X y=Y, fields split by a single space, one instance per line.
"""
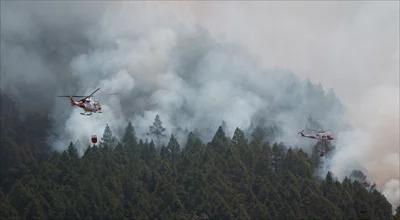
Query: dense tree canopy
x=227 y=178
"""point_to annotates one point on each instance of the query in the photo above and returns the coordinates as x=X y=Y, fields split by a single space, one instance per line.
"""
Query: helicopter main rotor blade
x=90 y=94
x=94 y=92
x=82 y=96
x=115 y=93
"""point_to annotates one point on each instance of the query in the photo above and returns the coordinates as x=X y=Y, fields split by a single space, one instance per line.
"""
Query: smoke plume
x=200 y=64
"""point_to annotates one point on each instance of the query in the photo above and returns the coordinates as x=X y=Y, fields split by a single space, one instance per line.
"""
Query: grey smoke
x=175 y=60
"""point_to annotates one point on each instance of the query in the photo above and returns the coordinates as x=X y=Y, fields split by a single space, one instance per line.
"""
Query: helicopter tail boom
x=73 y=102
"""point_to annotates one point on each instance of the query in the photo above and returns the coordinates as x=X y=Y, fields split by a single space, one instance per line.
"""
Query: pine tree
x=108 y=139
x=157 y=131
x=359 y=176
x=239 y=145
x=148 y=151
x=329 y=178
x=129 y=138
x=72 y=151
x=193 y=143
x=173 y=149
x=257 y=136
x=220 y=142
x=238 y=138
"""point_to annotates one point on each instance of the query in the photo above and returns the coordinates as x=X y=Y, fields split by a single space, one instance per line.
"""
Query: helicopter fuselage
x=322 y=136
x=88 y=105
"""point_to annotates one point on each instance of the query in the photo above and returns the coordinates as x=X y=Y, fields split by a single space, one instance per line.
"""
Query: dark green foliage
x=108 y=140
x=72 y=151
x=397 y=214
x=129 y=138
x=220 y=142
x=359 y=176
x=23 y=140
x=173 y=150
x=238 y=138
x=7 y=211
x=223 y=179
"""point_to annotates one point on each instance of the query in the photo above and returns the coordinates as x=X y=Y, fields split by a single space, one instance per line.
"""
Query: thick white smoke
x=194 y=84
x=372 y=145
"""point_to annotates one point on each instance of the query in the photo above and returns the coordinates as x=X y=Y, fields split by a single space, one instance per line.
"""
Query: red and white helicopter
x=319 y=135
x=87 y=103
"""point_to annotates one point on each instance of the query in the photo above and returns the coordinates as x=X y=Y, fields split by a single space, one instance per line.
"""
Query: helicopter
x=323 y=137
x=319 y=135
x=87 y=103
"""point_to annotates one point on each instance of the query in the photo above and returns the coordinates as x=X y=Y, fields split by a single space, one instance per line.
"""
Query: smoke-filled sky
x=200 y=63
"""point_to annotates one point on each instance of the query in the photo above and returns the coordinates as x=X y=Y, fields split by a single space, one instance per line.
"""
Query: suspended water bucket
x=94 y=139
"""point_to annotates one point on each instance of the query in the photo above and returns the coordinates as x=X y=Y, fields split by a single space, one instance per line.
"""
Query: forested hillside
x=126 y=178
